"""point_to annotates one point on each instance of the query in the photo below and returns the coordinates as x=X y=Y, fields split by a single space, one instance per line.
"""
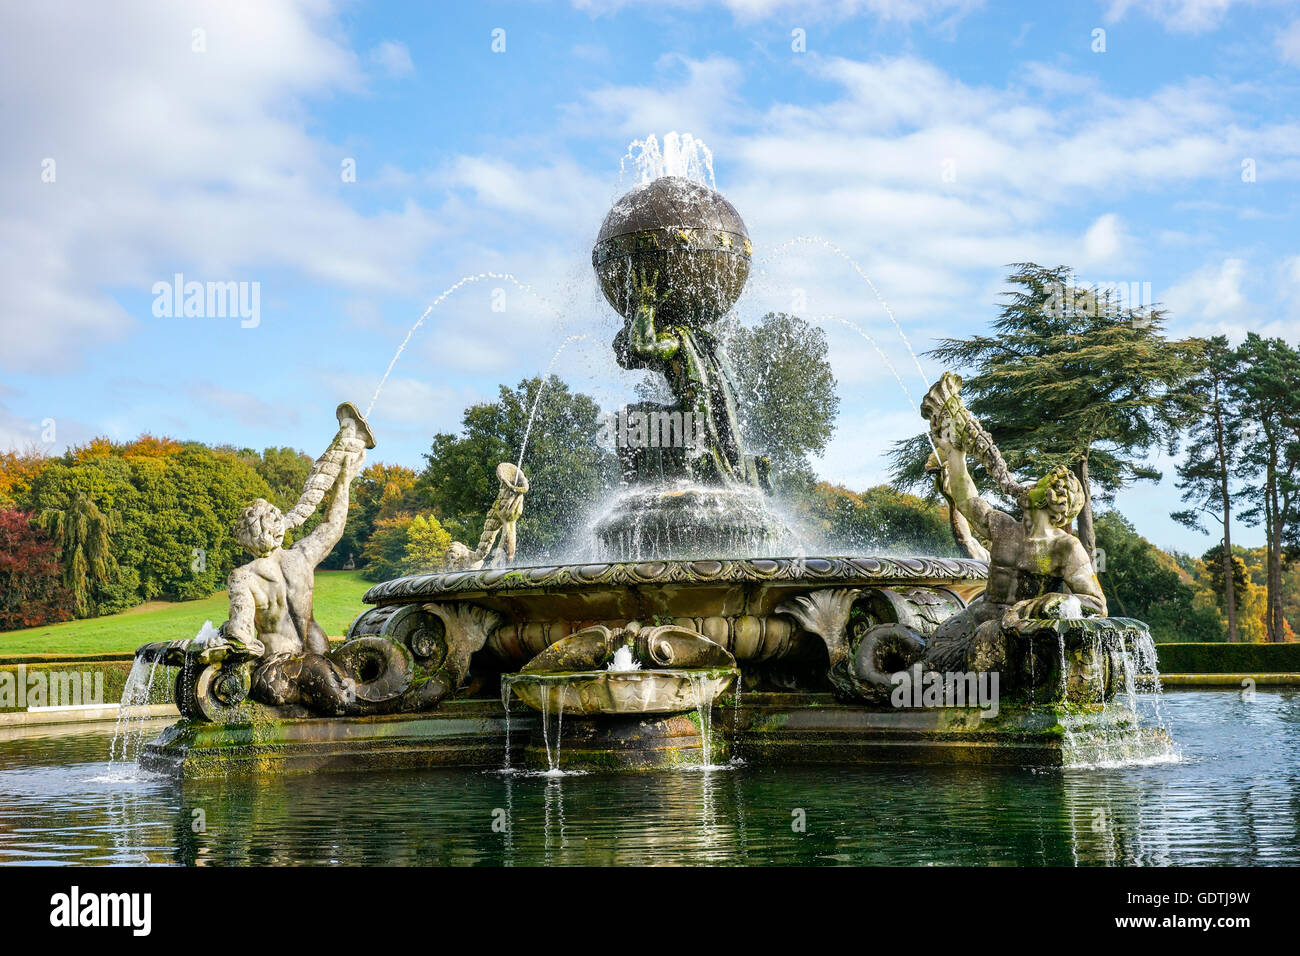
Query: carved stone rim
x=814 y=571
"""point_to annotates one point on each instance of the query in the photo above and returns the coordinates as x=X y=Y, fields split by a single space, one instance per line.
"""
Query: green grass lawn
x=338 y=601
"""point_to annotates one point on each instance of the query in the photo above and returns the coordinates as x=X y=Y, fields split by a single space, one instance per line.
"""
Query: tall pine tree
x=1073 y=377
x=1267 y=389
x=1205 y=475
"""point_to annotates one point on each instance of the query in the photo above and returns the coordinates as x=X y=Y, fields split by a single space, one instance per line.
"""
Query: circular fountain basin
x=650 y=691
x=731 y=601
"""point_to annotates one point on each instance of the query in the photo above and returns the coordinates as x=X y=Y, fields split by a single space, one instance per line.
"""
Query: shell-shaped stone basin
x=648 y=691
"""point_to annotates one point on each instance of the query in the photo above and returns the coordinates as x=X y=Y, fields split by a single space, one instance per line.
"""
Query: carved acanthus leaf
x=468 y=628
x=826 y=614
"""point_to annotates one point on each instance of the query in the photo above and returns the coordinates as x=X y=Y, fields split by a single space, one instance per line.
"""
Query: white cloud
x=901 y=119
x=394 y=58
x=1213 y=292
x=704 y=100
x=244 y=407
x=426 y=407
x=17 y=433
x=1104 y=241
x=1288 y=44
x=1179 y=16
x=1052 y=79
x=557 y=195
x=28 y=433
x=905 y=11
x=1288 y=286
x=173 y=152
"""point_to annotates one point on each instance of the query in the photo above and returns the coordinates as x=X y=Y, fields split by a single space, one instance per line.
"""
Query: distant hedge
x=1228 y=658
x=54 y=682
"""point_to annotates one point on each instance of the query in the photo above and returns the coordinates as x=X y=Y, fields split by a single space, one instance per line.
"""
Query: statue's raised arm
x=332 y=476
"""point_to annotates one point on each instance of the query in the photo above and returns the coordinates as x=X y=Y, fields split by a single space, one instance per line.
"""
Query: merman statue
x=1037 y=569
x=272 y=657
x=271 y=618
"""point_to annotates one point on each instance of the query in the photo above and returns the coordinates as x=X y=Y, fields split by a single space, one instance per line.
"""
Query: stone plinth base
x=618 y=743
x=767 y=729
x=816 y=729
x=464 y=733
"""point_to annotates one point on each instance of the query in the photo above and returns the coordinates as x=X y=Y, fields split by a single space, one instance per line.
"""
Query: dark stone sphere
x=687 y=234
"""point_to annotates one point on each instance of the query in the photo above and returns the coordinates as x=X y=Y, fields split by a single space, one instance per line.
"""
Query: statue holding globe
x=672 y=258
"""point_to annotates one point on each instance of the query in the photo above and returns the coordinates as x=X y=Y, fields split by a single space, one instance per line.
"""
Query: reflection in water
x=1234 y=798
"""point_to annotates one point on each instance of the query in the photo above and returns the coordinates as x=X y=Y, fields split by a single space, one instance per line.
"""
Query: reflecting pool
x=1232 y=798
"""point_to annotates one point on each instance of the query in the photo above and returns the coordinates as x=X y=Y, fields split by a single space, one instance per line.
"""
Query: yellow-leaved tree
x=426 y=545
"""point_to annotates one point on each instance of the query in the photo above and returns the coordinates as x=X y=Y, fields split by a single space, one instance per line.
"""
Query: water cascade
x=1125 y=723
x=704 y=710
x=129 y=730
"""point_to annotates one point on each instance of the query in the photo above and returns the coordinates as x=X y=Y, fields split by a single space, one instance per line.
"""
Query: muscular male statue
x=271 y=617
x=271 y=596
x=695 y=365
x=1037 y=568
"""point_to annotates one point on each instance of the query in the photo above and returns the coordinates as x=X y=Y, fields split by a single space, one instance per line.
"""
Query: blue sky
x=934 y=141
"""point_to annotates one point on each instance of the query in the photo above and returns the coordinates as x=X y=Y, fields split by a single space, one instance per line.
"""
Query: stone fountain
x=689 y=599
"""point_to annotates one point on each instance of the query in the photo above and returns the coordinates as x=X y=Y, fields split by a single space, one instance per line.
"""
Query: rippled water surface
x=1233 y=798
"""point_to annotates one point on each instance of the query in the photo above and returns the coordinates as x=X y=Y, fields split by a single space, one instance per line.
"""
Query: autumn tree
x=385 y=550
x=18 y=469
x=426 y=545
x=31 y=586
x=380 y=491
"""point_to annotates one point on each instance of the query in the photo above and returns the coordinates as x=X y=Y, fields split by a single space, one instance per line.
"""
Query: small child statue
x=501 y=521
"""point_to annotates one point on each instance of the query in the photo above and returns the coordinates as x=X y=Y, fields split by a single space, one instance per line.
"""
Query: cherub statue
x=1037 y=568
x=271 y=617
x=501 y=521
